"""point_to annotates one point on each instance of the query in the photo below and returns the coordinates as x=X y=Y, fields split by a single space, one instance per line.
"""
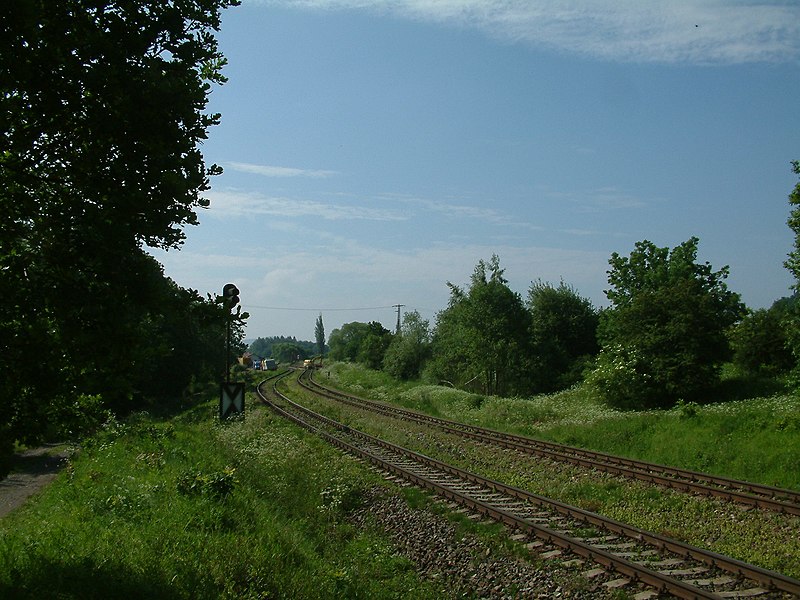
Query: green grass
x=749 y=439
x=756 y=439
x=181 y=506
x=190 y=508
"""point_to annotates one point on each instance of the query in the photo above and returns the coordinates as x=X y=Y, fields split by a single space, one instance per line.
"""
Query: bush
x=214 y=485
x=621 y=379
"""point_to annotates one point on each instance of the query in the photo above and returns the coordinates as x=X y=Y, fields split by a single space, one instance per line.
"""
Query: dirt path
x=31 y=471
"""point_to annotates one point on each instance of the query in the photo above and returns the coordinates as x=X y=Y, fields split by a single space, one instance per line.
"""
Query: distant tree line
x=284 y=349
x=488 y=338
x=671 y=325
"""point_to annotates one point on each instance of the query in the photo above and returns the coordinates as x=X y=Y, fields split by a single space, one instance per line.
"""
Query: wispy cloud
x=667 y=31
x=273 y=171
x=599 y=199
x=236 y=203
x=452 y=209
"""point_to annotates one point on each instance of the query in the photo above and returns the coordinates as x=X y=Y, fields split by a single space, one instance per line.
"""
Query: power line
x=316 y=309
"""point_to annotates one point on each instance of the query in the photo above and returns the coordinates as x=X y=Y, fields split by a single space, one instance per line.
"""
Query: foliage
x=760 y=342
x=665 y=336
x=217 y=484
x=101 y=117
x=360 y=342
x=288 y=352
x=754 y=439
x=483 y=335
x=409 y=350
x=564 y=335
x=792 y=263
x=319 y=335
x=263 y=346
x=155 y=509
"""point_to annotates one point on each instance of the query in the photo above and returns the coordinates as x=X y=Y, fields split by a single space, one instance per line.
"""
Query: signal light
x=230 y=295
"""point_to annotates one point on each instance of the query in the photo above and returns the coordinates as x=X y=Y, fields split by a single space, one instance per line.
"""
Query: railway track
x=742 y=492
x=661 y=564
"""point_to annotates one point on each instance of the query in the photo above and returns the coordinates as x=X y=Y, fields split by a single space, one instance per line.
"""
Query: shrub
x=621 y=379
x=215 y=485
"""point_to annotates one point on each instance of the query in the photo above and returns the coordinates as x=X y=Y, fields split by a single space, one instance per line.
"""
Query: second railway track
x=742 y=492
x=662 y=564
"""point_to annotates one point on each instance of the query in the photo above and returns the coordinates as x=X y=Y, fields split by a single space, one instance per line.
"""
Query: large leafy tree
x=666 y=333
x=792 y=263
x=563 y=332
x=101 y=116
x=760 y=342
x=483 y=334
x=365 y=343
x=410 y=348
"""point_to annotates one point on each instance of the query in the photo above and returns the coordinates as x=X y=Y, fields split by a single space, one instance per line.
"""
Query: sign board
x=231 y=399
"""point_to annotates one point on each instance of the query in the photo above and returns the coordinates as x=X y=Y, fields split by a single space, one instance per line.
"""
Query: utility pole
x=398 y=307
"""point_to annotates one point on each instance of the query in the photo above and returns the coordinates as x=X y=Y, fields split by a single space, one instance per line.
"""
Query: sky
x=375 y=151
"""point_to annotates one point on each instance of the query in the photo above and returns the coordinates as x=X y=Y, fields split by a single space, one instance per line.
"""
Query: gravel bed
x=465 y=564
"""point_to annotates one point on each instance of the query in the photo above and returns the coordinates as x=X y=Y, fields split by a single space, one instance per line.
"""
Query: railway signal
x=231 y=399
x=230 y=295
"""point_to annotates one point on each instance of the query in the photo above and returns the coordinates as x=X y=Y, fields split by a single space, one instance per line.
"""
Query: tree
x=564 y=335
x=408 y=351
x=288 y=352
x=483 y=334
x=263 y=346
x=792 y=263
x=665 y=335
x=101 y=116
x=365 y=343
x=319 y=334
x=761 y=343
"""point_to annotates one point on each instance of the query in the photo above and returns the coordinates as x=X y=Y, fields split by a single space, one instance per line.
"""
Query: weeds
x=753 y=439
x=191 y=508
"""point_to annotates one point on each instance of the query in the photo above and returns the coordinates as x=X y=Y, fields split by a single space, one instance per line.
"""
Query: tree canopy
x=360 y=342
x=483 y=334
x=319 y=335
x=761 y=341
x=666 y=333
x=101 y=116
x=792 y=263
x=409 y=349
x=564 y=335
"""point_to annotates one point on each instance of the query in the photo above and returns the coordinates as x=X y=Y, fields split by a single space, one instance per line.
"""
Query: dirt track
x=31 y=471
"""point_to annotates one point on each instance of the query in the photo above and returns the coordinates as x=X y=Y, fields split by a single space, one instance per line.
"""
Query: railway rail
x=662 y=564
x=743 y=492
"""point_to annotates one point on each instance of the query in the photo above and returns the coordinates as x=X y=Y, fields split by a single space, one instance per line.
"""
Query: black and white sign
x=231 y=399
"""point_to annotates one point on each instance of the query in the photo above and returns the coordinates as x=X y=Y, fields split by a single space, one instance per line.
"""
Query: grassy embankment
x=183 y=507
x=756 y=440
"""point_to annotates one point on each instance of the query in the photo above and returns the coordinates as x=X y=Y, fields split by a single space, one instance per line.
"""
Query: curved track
x=663 y=564
x=743 y=492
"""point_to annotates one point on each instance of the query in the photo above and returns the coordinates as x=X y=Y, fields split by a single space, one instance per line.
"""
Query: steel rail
x=660 y=581
x=690 y=481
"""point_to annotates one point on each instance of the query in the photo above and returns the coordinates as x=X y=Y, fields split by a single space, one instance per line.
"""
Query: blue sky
x=374 y=151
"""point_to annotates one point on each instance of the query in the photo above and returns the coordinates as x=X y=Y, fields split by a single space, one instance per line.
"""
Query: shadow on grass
x=84 y=579
x=747 y=387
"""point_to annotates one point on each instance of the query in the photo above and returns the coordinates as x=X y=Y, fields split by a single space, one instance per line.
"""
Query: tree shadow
x=83 y=578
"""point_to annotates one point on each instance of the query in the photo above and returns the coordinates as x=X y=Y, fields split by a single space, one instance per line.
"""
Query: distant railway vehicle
x=269 y=364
